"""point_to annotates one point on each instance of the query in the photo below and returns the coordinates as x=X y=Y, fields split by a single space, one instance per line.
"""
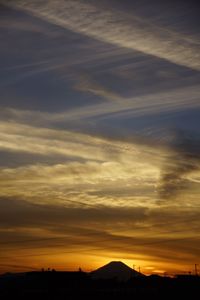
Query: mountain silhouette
x=115 y=270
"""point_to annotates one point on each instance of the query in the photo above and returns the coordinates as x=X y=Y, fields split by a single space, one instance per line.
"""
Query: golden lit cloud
x=90 y=165
x=110 y=186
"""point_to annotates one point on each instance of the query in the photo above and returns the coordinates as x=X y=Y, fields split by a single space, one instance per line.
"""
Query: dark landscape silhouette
x=112 y=281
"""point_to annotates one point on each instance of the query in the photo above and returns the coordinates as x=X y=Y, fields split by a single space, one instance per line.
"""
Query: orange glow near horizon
x=90 y=262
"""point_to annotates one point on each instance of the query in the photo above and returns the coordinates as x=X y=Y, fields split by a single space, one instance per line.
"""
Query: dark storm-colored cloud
x=183 y=160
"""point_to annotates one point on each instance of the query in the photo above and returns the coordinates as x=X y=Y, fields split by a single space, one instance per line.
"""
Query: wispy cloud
x=32 y=231
x=87 y=84
x=113 y=26
x=93 y=166
x=168 y=101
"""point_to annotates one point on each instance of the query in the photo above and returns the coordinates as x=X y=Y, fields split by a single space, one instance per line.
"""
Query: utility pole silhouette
x=195 y=268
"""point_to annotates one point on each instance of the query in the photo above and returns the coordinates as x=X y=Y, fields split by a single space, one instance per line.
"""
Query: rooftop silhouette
x=115 y=280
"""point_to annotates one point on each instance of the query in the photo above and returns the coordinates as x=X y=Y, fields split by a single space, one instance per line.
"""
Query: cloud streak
x=89 y=85
x=92 y=166
x=122 y=29
x=146 y=105
x=33 y=231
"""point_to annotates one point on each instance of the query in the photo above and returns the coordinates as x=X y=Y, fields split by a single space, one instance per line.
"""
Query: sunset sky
x=99 y=134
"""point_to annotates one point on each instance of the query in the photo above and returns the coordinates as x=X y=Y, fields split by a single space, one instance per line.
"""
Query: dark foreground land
x=79 y=285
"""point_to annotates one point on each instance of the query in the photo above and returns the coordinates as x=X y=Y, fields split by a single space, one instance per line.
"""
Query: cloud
x=100 y=170
x=88 y=84
x=91 y=171
x=183 y=160
x=112 y=26
x=34 y=230
x=138 y=106
x=19 y=213
x=52 y=141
